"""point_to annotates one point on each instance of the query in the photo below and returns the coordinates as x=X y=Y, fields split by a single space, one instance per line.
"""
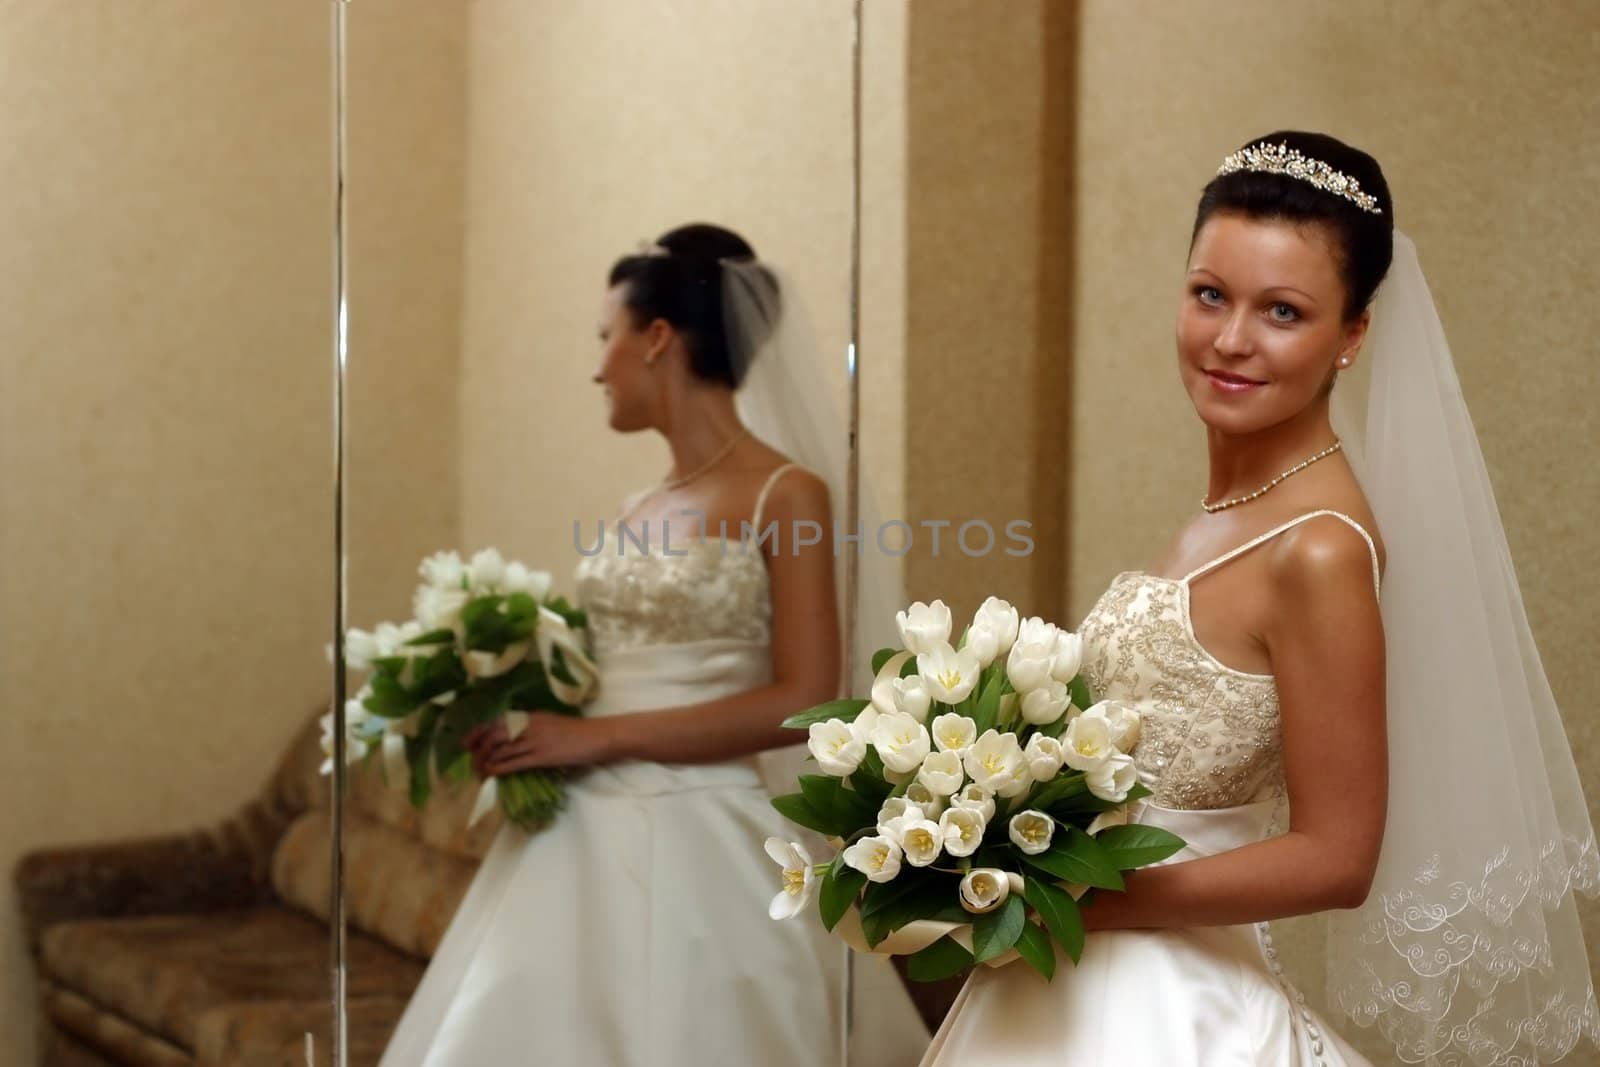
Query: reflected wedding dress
x=633 y=931
x=1209 y=751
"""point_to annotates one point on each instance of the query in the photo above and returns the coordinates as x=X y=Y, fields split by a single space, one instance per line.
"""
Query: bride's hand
x=550 y=740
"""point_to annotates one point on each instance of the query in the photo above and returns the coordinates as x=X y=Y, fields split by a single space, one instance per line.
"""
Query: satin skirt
x=633 y=931
x=1205 y=996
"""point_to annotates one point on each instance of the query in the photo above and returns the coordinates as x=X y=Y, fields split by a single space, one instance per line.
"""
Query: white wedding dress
x=1210 y=752
x=633 y=931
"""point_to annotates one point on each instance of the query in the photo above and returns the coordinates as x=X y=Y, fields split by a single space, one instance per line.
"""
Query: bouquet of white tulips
x=487 y=638
x=973 y=798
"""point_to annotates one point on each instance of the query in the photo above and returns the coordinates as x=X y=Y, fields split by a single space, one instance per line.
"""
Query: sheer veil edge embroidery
x=1468 y=950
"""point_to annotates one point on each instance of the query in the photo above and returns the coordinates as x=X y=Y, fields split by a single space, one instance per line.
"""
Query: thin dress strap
x=761 y=498
x=1228 y=557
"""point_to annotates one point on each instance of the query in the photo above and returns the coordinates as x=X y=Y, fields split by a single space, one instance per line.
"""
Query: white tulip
x=1045 y=757
x=1028 y=665
x=977 y=798
x=1031 y=831
x=1046 y=704
x=799 y=881
x=864 y=722
x=924 y=627
x=920 y=840
x=1121 y=719
x=986 y=888
x=519 y=579
x=894 y=808
x=876 y=857
x=1020 y=782
x=356 y=743
x=993 y=631
x=1113 y=778
x=399 y=635
x=963 y=830
x=930 y=804
x=1068 y=657
x=837 y=749
x=941 y=773
x=984 y=643
x=360 y=649
x=443 y=570
x=1087 y=743
x=949 y=675
x=994 y=761
x=438 y=608
x=954 y=733
x=1114 y=817
x=487 y=571
x=911 y=697
x=901 y=741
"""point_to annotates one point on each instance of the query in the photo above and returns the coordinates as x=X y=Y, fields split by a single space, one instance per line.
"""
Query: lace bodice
x=635 y=597
x=1210 y=734
x=663 y=586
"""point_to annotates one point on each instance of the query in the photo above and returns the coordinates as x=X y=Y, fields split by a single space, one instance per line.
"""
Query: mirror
x=165 y=530
x=509 y=161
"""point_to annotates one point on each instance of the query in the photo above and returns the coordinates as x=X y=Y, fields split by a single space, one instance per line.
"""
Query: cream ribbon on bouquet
x=552 y=633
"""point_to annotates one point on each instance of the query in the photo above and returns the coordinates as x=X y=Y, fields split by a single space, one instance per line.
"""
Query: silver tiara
x=1281 y=159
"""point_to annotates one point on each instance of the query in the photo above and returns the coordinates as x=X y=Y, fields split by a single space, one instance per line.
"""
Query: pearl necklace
x=1212 y=509
x=667 y=485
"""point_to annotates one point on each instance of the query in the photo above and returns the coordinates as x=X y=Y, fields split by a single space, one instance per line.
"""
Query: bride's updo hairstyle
x=1314 y=180
x=680 y=280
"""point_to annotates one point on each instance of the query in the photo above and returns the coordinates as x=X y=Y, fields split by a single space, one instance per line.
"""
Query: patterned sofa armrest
x=201 y=871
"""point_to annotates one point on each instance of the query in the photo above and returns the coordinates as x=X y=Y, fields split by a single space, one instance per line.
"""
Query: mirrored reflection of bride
x=634 y=930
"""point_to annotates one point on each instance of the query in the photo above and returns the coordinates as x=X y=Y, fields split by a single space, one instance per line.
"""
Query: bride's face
x=1261 y=327
x=625 y=370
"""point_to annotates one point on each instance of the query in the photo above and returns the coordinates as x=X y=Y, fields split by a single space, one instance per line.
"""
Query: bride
x=1343 y=710
x=630 y=932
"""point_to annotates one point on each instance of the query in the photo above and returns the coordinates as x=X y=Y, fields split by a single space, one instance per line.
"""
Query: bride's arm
x=1325 y=640
x=805 y=669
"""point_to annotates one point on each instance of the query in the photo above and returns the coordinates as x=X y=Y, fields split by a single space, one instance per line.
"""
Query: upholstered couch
x=212 y=948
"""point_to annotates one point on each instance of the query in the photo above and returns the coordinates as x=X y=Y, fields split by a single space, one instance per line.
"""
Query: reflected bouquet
x=973 y=798
x=486 y=638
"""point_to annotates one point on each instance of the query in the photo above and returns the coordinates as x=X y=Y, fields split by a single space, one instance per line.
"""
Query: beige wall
x=165 y=520
x=593 y=128
x=988 y=240
x=1485 y=119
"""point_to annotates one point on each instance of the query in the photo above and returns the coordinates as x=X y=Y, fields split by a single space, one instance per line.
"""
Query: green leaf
x=882 y=894
x=1138 y=846
x=908 y=668
x=1068 y=783
x=938 y=961
x=997 y=931
x=833 y=709
x=846 y=810
x=1059 y=912
x=820 y=792
x=840 y=887
x=869 y=779
x=1082 y=699
x=1035 y=948
x=915 y=894
x=433 y=637
x=795 y=808
x=987 y=708
x=882 y=656
x=389 y=698
x=1078 y=859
